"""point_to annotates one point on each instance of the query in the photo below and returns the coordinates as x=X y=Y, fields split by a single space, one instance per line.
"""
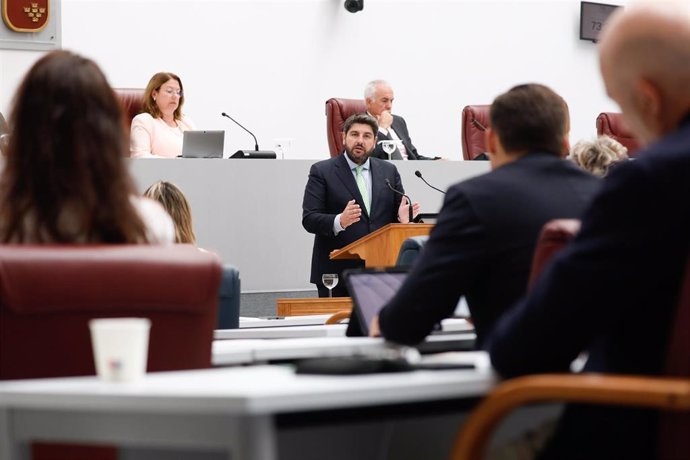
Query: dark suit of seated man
x=613 y=291
x=338 y=211
x=482 y=244
x=378 y=97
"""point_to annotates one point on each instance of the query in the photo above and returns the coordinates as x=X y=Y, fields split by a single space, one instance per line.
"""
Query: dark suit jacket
x=330 y=186
x=400 y=128
x=612 y=292
x=482 y=244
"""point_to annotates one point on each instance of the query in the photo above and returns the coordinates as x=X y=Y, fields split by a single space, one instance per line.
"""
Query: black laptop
x=371 y=289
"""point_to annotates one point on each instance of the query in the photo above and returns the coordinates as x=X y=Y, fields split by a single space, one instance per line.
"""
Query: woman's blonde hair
x=176 y=204
x=598 y=155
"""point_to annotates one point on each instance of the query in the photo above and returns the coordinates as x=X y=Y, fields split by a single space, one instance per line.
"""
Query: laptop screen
x=203 y=144
x=371 y=290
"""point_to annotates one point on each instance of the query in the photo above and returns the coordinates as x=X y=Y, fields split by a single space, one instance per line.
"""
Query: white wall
x=273 y=64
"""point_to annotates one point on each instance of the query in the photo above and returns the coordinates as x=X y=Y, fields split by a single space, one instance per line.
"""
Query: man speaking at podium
x=348 y=197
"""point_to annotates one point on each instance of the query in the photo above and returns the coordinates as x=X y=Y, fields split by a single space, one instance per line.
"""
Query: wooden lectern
x=381 y=248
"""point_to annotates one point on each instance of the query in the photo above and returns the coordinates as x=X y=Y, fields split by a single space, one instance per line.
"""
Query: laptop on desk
x=203 y=144
x=371 y=289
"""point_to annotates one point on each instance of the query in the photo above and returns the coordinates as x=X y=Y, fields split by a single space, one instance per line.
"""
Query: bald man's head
x=645 y=62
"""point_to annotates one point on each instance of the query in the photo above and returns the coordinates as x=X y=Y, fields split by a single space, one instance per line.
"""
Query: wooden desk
x=229 y=410
x=312 y=306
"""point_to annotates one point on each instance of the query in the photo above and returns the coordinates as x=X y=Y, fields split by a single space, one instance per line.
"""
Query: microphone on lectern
x=419 y=174
x=409 y=201
x=256 y=153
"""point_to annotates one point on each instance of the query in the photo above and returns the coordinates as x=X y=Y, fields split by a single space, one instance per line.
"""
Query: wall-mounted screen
x=593 y=16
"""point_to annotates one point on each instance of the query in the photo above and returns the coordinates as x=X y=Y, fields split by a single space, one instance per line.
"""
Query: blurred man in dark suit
x=482 y=244
x=347 y=197
x=613 y=290
x=378 y=97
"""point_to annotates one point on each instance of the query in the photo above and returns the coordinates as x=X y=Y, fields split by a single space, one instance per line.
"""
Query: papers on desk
x=230 y=352
x=456 y=325
x=480 y=359
x=292 y=332
x=308 y=320
x=233 y=352
x=447 y=325
x=306 y=336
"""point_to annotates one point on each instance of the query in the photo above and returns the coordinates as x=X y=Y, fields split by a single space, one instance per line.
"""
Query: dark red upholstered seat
x=674 y=427
x=475 y=120
x=553 y=237
x=337 y=111
x=49 y=293
x=131 y=100
x=611 y=124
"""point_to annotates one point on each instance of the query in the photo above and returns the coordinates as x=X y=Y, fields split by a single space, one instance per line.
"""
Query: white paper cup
x=120 y=347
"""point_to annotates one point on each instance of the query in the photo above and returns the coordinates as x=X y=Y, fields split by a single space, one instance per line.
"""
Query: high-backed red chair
x=670 y=394
x=131 y=100
x=337 y=111
x=49 y=293
x=475 y=120
x=553 y=237
x=611 y=124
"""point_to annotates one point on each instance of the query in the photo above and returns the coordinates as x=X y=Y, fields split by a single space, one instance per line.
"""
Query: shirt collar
x=353 y=165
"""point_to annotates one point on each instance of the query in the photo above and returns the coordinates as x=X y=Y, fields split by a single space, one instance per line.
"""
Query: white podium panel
x=250 y=211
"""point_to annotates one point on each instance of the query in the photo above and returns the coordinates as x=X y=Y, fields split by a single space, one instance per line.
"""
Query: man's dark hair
x=530 y=118
x=361 y=119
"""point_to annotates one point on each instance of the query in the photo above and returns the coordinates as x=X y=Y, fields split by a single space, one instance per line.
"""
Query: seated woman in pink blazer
x=157 y=132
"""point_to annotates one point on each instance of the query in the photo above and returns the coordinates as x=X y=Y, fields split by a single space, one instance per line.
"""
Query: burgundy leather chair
x=553 y=237
x=475 y=120
x=131 y=100
x=611 y=124
x=49 y=293
x=337 y=111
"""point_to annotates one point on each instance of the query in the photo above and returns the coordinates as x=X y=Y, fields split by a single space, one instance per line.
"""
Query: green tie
x=362 y=188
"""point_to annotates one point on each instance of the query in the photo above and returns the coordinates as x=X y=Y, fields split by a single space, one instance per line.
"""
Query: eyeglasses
x=170 y=92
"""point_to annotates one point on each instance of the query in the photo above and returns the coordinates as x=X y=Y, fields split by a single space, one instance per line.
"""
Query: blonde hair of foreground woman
x=176 y=204
x=599 y=155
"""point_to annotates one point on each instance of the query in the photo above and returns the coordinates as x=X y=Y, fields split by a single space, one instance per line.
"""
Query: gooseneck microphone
x=256 y=143
x=409 y=201
x=256 y=153
x=419 y=174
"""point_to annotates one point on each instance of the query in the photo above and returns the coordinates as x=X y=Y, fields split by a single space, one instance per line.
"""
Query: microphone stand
x=409 y=201
x=419 y=174
x=256 y=153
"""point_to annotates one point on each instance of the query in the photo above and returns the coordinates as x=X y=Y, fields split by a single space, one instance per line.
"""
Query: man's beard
x=358 y=161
